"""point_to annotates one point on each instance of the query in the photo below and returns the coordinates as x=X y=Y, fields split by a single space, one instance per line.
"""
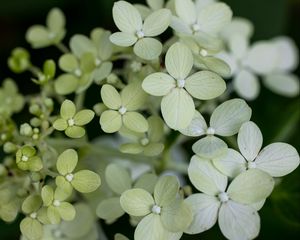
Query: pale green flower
x=225 y=121
x=10 y=100
x=19 y=61
x=277 y=159
x=119 y=180
x=49 y=69
x=40 y=36
x=99 y=46
x=32 y=225
x=233 y=206
x=79 y=74
x=149 y=143
x=204 y=22
x=84 y=181
x=57 y=207
x=26 y=159
x=135 y=31
x=178 y=88
x=122 y=108
x=72 y=122
x=165 y=216
x=9 y=204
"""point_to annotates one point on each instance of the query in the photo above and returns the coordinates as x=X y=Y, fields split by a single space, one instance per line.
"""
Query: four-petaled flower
x=26 y=159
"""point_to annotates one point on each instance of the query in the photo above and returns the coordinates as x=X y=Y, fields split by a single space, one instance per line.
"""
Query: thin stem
x=79 y=100
x=62 y=47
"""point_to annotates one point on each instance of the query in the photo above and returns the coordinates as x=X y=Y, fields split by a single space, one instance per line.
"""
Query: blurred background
x=278 y=117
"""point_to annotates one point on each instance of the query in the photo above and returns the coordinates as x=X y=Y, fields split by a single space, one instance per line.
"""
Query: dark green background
x=281 y=215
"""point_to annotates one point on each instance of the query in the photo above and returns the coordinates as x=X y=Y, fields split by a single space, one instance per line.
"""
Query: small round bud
x=35 y=109
x=9 y=147
x=26 y=130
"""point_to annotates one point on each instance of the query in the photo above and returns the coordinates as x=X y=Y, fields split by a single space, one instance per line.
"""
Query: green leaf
x=137 y=202
x=123 y=39
x=228 y=117
x=165 y=190
x=75 y=132
x=205 y=85
x=31 y=229
x=68 y=62
x=110 y=209
x=148 y=48
x=205 y=177
x=110 y=97
x=135 y=122
x=110 y=121
x=157 y=22
x=67 y=161
x=158 y=84
x=126 y=17
x=86 y=181
x=177 y=109
x=66 y=84
x=117 y=178
x=83 y=117
x=251 y=186
x=210 y=147
x=179 y=61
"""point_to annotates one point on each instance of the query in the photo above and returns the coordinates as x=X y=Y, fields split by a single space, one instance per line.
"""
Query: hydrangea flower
x=19 y=61
x=99 y=46
x=43 y=36
x=72 y=122
x=225 y=121
x=26 y=159
x=149 y=143
x=119 y=180
x=10 y=100
x=122 y=108
x=277 y=159
x=202 y=20
x=32 y=225
x=178 y=88
x=165 y=216
x=57 y=207
x=9 y=203
x=84 y=181
x=231 y=205
x=273 y=60
x=153 y=5
x=138 y=33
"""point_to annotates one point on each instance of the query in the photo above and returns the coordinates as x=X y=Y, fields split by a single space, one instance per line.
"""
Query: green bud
x=49 y=68
x=49 y=103
x=35 y=109
x=36 y=176
x=99 y=108
x=19 y=61
x=26 y=130
x=9 y=147
x=36 y=122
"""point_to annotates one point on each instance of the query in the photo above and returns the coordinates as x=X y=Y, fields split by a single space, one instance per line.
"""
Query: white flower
x=232 y=206
x=277 y=159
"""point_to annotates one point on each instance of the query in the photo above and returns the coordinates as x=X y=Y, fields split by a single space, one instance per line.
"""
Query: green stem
x=62 y=48
x=79 y=100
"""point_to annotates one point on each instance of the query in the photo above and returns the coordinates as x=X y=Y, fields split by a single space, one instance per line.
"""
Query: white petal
x=179 y=61
x=205 y=209
x=205 y=177
x=123 y=39
x=158 y=84
x=287 y=85
x=258 y=205
x=177 y=108
x=228 y=117
x=197 y=127
x=238 y=26
x=238 y=45
x=251 y=186
x=250 y=140
x=148 y=48
x=180 y=26
x=214 y=17
x=127 y=17
x=246 y=84
x=262 y=57
x=232 y=164
x=278 y=159
x=238 y=222
x=157 y=22
x=186 y=10
x=155 y=4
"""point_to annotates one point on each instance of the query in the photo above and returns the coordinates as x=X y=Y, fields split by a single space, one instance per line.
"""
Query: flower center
x=122 y=110
x=56 y=203
x=140 y=34
x=69 y=177
x=223 y=196
x=71 y=122
x=136 y=66
x=78 y=72
x=156 y=209
x=203 y=53
x=144 y=141
x=251 y=164
x=196 y=27
x=97 y=62
x=24 y=158
x=180 y=83
x=51 y=35
x=33 y=215
x=210 y=131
